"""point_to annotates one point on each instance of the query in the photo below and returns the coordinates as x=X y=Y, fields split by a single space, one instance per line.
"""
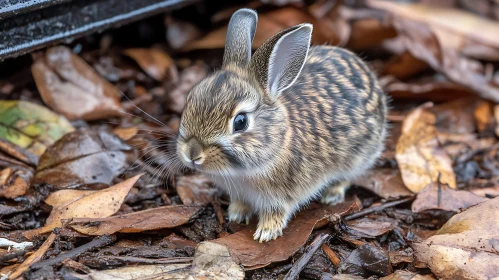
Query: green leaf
x=31 y=126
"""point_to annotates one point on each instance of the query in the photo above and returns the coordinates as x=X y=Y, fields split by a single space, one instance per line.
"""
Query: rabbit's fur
x=317 y=119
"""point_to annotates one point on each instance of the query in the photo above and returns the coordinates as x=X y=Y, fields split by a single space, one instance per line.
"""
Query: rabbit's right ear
x=278 y=62
x=242 y=27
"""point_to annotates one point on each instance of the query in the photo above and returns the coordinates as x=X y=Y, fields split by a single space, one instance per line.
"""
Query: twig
x=331 y=255
x=98 y=242
x=298 y=266
x=129 y=260
x=377 y=208
x=14 y=255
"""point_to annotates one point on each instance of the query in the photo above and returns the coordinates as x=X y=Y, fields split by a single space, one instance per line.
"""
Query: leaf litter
x=430 y=197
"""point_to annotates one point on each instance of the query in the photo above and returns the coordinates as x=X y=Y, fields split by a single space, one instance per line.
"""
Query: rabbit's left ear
x=278 y=62
x=242 y=28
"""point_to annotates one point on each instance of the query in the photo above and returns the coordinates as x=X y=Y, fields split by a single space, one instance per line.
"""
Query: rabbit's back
x=337 y=112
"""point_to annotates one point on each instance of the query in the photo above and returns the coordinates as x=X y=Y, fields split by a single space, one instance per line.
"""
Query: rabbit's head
x=234 y=121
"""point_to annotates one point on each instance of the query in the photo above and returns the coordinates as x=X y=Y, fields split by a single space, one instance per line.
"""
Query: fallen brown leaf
x=418 y=153
x=440 y=196
x=99 y=204
x=195 y=189
x=436 y=37
x=154 y=62
x=71 y=87
x=365 y=260
x=385 y=182
x=150 y=219
x=35 y=257
x=214 y=261
x=456 y=116
x=372 y=227
x=253 y=254
x=465 y=247
x=18 y=188
x=86 y=156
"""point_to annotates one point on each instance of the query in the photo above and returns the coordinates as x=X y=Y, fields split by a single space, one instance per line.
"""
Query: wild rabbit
x=283 y=126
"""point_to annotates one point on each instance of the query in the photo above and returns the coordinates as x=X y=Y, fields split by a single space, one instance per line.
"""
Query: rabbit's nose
x=194 y=151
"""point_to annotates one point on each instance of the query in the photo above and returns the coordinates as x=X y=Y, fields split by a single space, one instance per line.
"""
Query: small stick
x=98 y=242
x=331 y=255
x=138 y=260
x=298 y=266
x=8 y=257
x=370 y=210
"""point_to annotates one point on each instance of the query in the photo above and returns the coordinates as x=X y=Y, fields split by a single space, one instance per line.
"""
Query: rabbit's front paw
x=239 y=212
x=335 y=193
x=270 y=225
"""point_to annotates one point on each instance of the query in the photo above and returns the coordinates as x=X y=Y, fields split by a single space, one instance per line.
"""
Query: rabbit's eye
x=240 y=122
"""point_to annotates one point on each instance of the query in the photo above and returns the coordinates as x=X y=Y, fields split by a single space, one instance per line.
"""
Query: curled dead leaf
x=465 y=247
x=154 y=62
x=71 y=87
x=253 y=254
x=150 y=219
x=441 y=196
x=418 y=153
x=88 y=205
x=85 y=156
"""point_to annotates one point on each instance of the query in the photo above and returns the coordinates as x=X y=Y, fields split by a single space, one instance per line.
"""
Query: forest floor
x=85 y=192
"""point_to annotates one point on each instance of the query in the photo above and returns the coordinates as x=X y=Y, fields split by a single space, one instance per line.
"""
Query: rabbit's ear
x=278 y=62
x=242 y=27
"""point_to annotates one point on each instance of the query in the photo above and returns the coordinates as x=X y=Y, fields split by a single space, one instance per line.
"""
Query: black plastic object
x=27 y=25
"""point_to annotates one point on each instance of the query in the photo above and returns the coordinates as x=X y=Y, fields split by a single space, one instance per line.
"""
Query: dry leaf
x=18 y=188
x=385 y=182
x=466 y=246
x=436 y=37
x=99 y=204
x=35 y=257
x=440 y=196
x=492 y=191
x=154 y=62
x=150 y=219
x=366 y=260
x=461 y=25
x=371 y=228
x=213 y=261
x=195 y=189
x=86 y=156
x=418 y=153
x=254 y=255
x=71 y=87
